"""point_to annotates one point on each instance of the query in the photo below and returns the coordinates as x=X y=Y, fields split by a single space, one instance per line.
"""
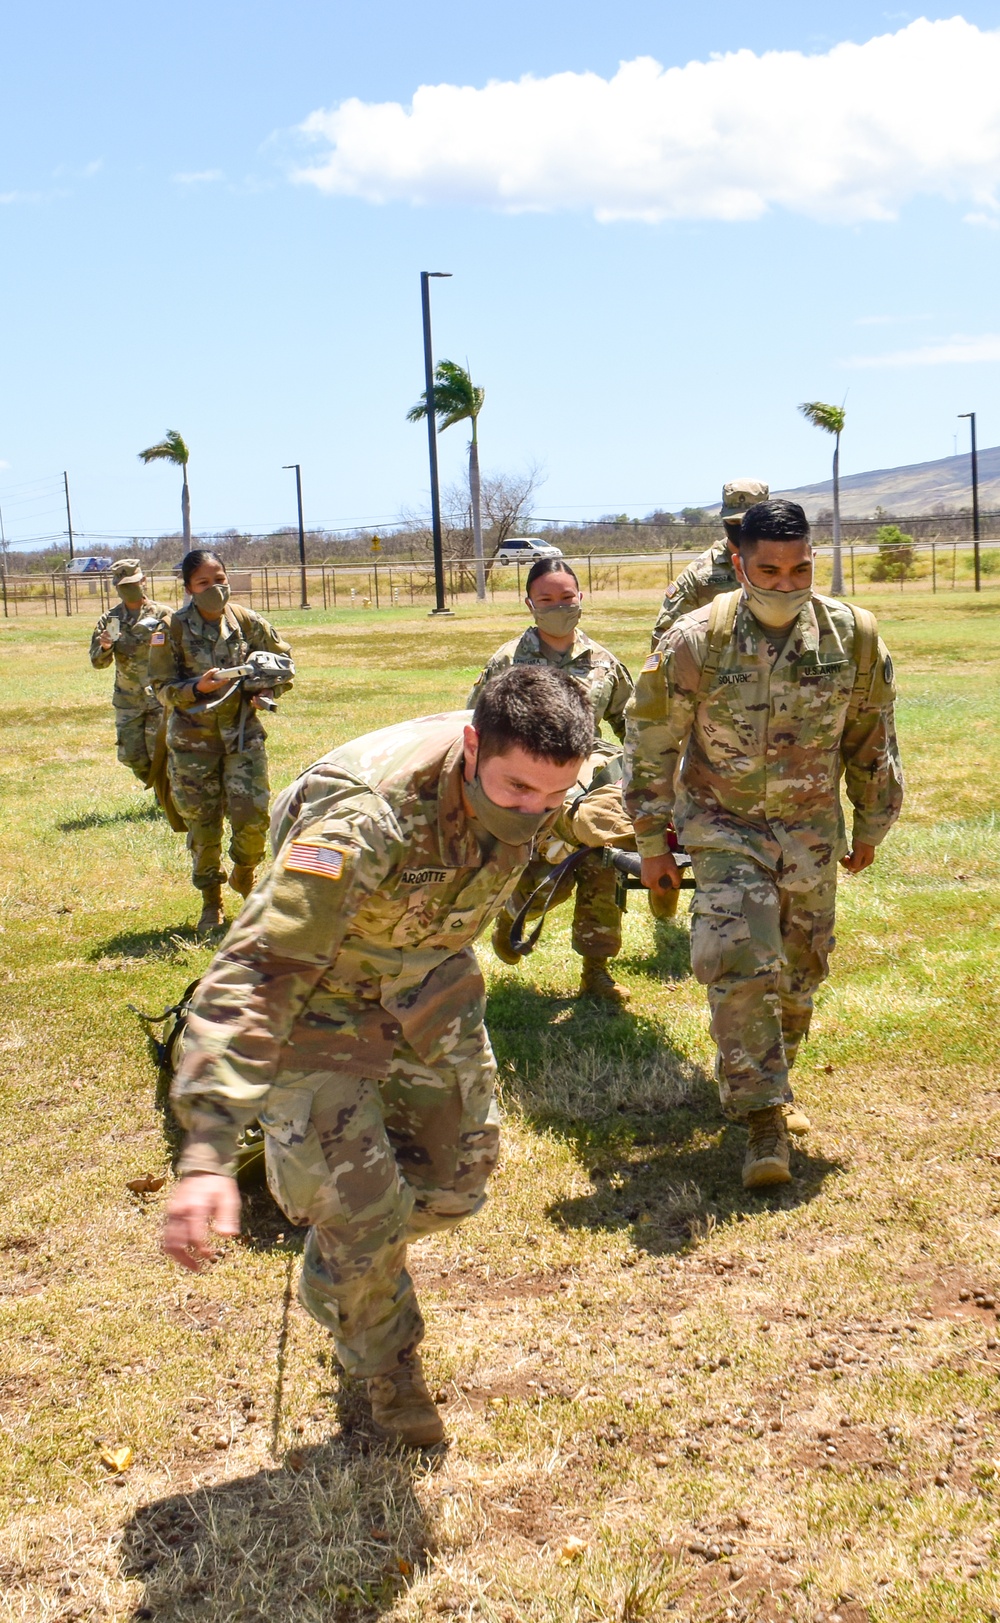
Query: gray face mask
x=212 y=598
x=776 y=610
x=559 y=619
x=505 y=824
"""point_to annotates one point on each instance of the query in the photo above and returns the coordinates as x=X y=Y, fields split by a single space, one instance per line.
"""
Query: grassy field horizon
x=666 y=1398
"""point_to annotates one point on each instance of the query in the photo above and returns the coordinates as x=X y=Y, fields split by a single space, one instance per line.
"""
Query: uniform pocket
x=720 y=938
x=285 y=1117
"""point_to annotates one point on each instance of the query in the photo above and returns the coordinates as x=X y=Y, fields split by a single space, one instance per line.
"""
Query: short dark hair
x=192 y=562
x=534 y=708
x=773 y=521
x=548 y=566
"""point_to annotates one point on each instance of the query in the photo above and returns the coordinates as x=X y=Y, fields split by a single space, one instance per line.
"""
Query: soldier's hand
x=105 y=641
x=199 y=1200
x=265 y=693
x=861 y=857
x=212 y=680
x=661 y=873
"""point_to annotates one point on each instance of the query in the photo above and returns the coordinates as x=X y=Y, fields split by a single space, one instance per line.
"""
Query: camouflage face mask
x=505 y=824
x=131 y=596
x=212 y=598
x=559 y=619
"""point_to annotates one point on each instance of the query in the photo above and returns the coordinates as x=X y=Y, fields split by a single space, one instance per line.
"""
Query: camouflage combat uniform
x=211 y=775
x=345 y=1011
x=137 y=709
x=710 y=573
x=762 y=750
x=597 y=920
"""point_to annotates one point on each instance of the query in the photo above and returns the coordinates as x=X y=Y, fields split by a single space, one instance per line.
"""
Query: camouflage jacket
x=762 y=751
x=132 y=695
x=379 y=877
x=182 y=650
x=711 y=572
x=608 y=683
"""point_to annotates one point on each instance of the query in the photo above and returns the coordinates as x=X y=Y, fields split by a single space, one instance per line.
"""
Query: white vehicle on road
x=524 y=549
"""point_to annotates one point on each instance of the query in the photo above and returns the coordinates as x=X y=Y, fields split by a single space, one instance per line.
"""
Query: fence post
x=853 y=587
x=671 y=565
x=933 y=567
x=3 y=583
x=590 y=583
x=954 y=562
x=618 y=579
x=55 y=600
x=376 y=585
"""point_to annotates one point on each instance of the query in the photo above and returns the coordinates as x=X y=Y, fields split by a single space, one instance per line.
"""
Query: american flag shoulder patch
x=327 y=861
x=157 y=638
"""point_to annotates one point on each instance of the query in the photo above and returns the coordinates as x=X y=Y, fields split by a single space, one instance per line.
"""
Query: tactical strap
x=721 y=620
x=865 y=654
x=522 y=944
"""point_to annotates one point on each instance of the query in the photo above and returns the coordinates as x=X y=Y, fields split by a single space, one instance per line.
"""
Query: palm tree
x=172 y=449
x=831 y=419
x=457 y=399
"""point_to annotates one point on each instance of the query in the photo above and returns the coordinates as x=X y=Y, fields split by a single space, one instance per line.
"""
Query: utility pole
x=287 y=467
x=69 y=516
x=425 y=301
x=975 y=498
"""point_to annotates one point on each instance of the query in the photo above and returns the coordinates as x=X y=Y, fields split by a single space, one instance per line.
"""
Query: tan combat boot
x=663 y=902
x=766 y=1160
x=598 y=981
x=403 y=1408
x=212 y=916
x=797 y=1121
x=241 y=879
x=500 y=940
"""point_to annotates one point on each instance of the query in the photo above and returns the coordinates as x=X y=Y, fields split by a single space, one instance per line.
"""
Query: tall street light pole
x=69 y=517
x=287 y=467
x=975 y=497
x=425 y=300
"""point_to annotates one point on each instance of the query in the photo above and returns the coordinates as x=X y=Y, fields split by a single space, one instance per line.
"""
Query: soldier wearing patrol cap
x=345 y=1012
x=745 y=719
x=121 y=637
x=713 y=571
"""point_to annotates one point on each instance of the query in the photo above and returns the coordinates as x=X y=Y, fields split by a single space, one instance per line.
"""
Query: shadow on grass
x=174 y=941
x=670 y=959
x=640 y=1117
x=325 y=1534
x=146 y=812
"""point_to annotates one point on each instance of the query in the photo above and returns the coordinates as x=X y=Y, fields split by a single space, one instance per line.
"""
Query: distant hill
x=919 y=488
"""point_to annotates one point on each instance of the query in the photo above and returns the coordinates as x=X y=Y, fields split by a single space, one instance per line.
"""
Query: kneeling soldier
x=345 y=1011
x=765 y=698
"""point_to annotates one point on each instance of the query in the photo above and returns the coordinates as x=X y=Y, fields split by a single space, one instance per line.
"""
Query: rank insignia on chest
x=157 y=638
x=326 y=861
x=423 y=876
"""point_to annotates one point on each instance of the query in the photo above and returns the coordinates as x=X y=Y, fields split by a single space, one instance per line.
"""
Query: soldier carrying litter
x=345 y=1012
x=757 y=705
x=712 y=571
x=122 y=636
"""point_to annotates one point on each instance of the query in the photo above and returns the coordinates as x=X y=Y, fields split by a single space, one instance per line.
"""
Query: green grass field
x=666 y=1398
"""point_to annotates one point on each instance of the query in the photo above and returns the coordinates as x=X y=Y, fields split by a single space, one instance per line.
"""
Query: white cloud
x=849 y=135
x=957 y=351
x=199 y=177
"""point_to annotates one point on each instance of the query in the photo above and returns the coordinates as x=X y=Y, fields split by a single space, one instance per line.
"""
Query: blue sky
x=640 y=335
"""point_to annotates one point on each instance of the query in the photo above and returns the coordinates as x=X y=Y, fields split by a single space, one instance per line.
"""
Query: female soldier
x=554 y=598
x=122 y=636
x=215 y=742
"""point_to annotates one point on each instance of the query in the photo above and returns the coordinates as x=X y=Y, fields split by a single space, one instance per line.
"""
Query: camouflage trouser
x=375 y=1164
x=207 y=788
x=136 y=736
x=761 y=950
x=597 y=919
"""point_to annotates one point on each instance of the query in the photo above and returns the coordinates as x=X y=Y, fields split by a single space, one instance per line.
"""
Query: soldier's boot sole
x=767 y=1157
x=797 y=1122
x=403 y=1409
x=212 y=915
x=598 y=982
x=241 y=879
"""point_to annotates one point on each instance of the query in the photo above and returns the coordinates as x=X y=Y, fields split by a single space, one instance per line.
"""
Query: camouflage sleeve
x=492 y=668
x=658 y=722
x=100 y=657
x=258 y=985
x=167 y=676
x=262 y=636
x=873 y=775
x=624 y=688
x=681 y=597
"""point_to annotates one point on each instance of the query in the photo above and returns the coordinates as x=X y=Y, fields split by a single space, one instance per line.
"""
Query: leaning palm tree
x=831 y=419
x=457 y=399
x=172 y=449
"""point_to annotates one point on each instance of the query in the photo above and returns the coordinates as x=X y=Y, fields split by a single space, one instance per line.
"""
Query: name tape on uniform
x=727 y=678
x=326 y=861
x=423 y=876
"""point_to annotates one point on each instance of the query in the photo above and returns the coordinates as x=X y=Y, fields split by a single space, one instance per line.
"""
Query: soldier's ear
x=471 y=740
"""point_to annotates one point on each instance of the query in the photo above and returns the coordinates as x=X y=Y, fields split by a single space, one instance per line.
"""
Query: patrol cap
x=739 y=494
x=126 y=572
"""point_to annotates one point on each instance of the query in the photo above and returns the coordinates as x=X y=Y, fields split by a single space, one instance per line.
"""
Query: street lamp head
x=288 y=466
x=966 y=414
x=436 y=273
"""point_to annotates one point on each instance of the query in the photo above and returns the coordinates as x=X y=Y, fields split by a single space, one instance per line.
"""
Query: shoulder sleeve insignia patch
x=326 y=861
x=654 y=661
x=887 y=671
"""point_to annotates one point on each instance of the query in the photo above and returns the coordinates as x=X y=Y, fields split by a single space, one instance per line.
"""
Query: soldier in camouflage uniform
x=552 y=594
x=216 y=759
x=122 y=637
x=345 y=1012
x=764 y=699
x=713 y=571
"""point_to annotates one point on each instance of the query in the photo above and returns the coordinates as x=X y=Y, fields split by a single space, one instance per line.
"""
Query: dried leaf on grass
x=146 y=1185
x=117 y=1459
x=573 y=1549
